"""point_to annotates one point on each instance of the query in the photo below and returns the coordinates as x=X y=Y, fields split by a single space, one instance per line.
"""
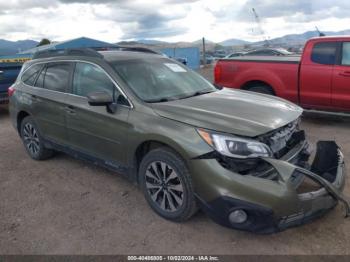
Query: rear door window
x=346 y=54
x=30 y=75
x=324 y=53
x=56 y=76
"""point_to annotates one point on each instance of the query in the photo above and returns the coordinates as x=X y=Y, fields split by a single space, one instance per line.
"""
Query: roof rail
x=67 y=52
x=137 y=49
x=128 y=48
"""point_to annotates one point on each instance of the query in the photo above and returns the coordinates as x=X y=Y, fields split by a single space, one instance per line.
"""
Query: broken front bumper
x=287 y=202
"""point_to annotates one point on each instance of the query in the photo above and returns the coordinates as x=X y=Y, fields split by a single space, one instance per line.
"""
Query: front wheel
x=167 y=185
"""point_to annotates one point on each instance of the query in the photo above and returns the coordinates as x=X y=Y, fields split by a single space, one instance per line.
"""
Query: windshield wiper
x=167 y=99
x=198 y=93
x=160 y=100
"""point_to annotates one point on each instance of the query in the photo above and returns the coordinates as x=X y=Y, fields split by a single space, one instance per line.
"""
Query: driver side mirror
x=102 y=98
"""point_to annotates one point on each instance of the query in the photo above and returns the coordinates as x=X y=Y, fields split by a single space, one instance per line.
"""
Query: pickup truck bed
x=247 y=72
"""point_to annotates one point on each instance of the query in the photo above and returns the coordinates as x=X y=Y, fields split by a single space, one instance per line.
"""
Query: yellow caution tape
x=14 y=60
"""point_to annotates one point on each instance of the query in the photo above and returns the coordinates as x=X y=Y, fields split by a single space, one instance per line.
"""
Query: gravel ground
x=66 y=206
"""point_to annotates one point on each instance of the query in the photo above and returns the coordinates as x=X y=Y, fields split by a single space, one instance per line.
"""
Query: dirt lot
x=66 y=206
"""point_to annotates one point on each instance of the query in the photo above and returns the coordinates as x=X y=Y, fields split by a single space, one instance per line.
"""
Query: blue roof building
x=81 y=42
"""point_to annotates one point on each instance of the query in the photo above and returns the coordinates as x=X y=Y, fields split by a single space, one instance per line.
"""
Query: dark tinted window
x=30 y=75
x=90 y=78
x=57 y=76
x=324 y=53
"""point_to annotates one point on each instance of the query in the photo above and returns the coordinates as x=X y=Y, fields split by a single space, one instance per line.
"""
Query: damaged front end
x=308 y=190
x=318 y=188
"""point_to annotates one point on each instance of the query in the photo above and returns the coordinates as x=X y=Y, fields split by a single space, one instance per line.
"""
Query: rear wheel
x=33 y=141
x=167 y=185
x=263 y=89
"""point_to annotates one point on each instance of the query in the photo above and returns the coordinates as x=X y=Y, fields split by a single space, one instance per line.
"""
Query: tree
x=44 y=41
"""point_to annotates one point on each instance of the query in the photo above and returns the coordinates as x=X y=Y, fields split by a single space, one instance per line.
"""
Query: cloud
x=144 y=20
x=169 y=20
x=131 y=2
x=305 y=10
x=6 y=5
x=133 y=19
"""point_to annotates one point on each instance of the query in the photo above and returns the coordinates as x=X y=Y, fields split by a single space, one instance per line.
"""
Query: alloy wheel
x=164 y=186
x=31 y=138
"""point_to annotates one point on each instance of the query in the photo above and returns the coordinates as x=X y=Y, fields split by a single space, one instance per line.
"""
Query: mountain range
x=287 y=40
x=12 y=47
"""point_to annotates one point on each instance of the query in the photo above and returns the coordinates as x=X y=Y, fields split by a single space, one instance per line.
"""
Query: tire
x=33 y=141
x=267 y=90
x=172 y=196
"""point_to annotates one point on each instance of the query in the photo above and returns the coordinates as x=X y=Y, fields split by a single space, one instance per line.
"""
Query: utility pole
x=204 y=52
x=262 y=32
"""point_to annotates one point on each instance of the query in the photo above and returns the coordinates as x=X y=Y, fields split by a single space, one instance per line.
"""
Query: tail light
x=217 y=72
x=10 y=91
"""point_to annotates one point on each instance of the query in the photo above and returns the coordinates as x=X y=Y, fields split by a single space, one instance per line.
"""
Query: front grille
x=283 y=139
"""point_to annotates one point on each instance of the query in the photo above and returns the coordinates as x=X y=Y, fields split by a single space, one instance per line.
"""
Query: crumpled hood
x=231 y=111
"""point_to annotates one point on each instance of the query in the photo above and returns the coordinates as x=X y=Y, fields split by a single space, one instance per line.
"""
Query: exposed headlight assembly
x=233 y=146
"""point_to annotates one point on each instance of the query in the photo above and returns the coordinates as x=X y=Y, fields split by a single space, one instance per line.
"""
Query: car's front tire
x=33 y=141
x=166 y=184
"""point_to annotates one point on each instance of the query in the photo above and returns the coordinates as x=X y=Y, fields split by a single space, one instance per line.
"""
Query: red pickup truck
x=318 y=79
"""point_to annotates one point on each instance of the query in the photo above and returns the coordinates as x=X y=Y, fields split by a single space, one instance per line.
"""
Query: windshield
x=161 y=79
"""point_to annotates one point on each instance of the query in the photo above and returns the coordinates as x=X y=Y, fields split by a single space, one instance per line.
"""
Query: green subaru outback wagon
x=238 y=156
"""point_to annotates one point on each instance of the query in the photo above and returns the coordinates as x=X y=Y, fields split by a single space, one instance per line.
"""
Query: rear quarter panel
x=282 y=77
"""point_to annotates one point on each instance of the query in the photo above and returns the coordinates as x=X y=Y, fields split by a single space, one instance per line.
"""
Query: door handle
x=70 y=110
x=346 y=73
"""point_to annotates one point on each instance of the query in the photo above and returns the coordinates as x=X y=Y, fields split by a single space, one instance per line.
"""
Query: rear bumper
x=281 y=206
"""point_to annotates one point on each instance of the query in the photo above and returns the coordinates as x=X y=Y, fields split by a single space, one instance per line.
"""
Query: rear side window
x=30 y=75
x=56 y=76
x=346 y=54
x=324 y=53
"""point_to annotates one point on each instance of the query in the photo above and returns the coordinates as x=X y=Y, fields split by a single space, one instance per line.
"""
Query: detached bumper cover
x=327 y=170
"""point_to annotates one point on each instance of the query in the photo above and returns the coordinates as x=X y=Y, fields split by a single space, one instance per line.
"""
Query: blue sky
x=168 y=20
